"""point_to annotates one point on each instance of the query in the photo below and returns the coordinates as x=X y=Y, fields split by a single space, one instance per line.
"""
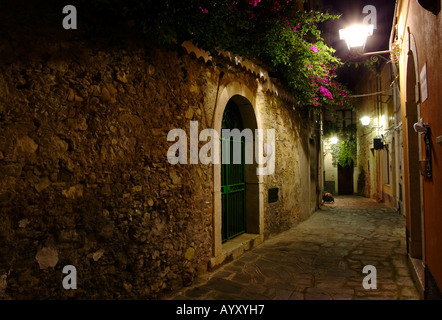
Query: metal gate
x=233 y=190
x=233 y=178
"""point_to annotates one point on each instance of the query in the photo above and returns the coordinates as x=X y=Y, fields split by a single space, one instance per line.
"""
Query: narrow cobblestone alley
x=320 y=259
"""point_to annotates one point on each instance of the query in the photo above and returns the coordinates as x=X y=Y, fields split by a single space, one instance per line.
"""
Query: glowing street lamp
x=365 y=121
x=356 y=35
x=334 y=140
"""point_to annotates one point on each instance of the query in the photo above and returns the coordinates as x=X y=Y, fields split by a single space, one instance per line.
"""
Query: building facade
x=415 y=41
x=399 y=146
x=379 y=153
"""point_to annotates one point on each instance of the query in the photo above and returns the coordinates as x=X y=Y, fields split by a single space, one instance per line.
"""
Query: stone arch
x=245 y=99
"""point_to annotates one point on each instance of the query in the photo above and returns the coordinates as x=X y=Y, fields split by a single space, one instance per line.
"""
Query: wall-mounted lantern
x=378 y=144
x=424 y=129
x=356 y=36
x=365 y=121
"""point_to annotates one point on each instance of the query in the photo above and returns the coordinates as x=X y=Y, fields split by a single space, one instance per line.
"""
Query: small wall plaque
x=423 y=81
x=273 y=195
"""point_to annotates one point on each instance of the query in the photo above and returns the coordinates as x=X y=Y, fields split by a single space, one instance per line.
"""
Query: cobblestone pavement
x=322 y=258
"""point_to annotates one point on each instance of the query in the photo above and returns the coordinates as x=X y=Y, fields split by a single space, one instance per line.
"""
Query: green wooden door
x=233 y=184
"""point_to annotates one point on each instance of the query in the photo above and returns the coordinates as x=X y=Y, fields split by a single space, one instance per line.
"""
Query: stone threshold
x=418 y=273
x=234 y=248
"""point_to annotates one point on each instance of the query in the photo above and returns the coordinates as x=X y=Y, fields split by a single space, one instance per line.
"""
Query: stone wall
x=293 y=167
x=84 y=176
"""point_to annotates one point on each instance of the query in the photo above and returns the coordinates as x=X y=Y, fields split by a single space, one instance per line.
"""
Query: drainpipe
x=378 y=155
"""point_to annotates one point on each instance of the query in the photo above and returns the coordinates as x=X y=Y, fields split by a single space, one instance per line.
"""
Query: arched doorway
x=237 y=102
x=233 y=176
x=414 y=154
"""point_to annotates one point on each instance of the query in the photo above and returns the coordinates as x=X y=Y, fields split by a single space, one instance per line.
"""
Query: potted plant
x=327 y=197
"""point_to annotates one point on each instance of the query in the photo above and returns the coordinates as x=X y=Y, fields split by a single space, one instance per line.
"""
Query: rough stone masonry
x=84 y=177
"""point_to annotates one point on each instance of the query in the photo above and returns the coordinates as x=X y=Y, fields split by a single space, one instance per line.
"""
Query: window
x=345 y=118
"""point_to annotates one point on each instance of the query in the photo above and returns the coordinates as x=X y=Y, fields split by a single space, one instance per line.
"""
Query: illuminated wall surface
x=419 y=33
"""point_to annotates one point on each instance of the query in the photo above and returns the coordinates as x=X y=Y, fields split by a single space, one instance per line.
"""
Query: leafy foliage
x=275 y=33
x=372 y=65
x=344 y=152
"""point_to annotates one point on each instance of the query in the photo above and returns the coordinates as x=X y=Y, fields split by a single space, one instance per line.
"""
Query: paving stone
x=282 y=294
x=321 y=258
x=255 y=288
x=222 y=274
x=242 y=278
x=317 y=294
x=405 y=281
x=198 y=292
x=215 y=295
x=409 y=292
x=297 y=296
x=252 y=295
x=225 y=286
x=283 y=285
x=347 y=273
x=403 y=271
x=388 y=287
x=342 y=294
x=330 y=283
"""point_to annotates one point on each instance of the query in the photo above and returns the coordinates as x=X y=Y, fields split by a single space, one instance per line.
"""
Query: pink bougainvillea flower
x=325 y=92
x=205 y=11
x=315 y=103
x=254 y=2
x=313 y=48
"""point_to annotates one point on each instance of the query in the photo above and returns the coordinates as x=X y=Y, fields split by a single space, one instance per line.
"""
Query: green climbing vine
x=344 y=152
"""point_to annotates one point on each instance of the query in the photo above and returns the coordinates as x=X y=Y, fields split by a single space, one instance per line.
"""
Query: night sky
x=352 y=13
